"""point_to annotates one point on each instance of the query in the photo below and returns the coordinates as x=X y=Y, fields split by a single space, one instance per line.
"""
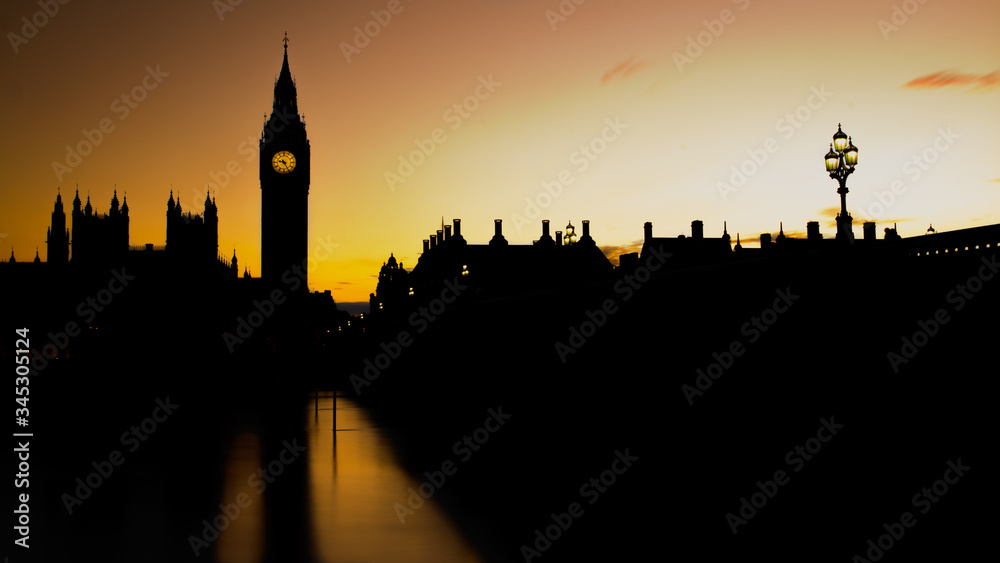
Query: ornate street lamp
x=570 y=237
x=840 y=163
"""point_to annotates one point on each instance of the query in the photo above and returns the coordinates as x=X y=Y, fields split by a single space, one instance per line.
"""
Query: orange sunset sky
x=697 y=89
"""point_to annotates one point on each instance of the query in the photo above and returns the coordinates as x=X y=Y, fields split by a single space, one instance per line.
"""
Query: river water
x=354 y=482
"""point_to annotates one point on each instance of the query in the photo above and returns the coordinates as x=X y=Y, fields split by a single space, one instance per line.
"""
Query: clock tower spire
x=284 y=184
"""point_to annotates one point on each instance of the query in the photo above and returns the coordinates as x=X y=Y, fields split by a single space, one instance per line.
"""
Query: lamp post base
x=845 y=228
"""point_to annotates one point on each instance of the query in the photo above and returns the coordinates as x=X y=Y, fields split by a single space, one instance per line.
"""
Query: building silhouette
x=195 y=237
x=492 y=270
x=284 y=182
x=57 y=239
x=96 y=237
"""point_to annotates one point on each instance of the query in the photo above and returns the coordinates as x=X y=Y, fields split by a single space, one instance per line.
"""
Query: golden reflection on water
x=355 y=481
x=242 y=541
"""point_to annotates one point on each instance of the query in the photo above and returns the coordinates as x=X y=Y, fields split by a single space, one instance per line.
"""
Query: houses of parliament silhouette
x=187 y=280
x=99 y=240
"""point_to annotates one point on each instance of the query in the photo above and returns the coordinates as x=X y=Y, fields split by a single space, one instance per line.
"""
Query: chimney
x=586 y=229
x=812 y=231
x=457 y=230
x=433 y=242
x=648 y=230
x=558 y=238
x=447 y=232
x=440 y=235
x=546 y=238
x=869 y=230
x=498 y=239
x=426 y=245
x=697 y=230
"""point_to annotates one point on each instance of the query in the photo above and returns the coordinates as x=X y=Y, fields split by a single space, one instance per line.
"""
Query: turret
x=57 y=239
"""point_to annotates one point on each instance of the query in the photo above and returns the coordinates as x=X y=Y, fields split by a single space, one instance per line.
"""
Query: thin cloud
x=951 y=79
x=624 y=70
x=829 y=212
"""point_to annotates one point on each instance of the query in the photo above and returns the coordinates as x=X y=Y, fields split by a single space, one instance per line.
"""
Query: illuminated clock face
x=283 y=162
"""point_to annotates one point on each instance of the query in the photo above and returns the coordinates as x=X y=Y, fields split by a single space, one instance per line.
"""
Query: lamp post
x=840 y=163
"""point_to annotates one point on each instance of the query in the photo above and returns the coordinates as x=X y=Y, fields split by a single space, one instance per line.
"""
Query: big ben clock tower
x=284 y=185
